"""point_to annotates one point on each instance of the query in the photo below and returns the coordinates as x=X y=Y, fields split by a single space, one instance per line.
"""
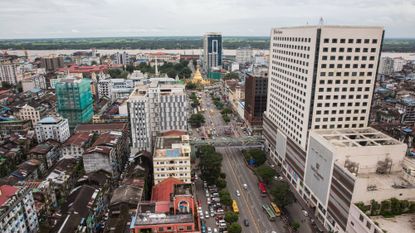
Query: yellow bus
x=276 y=210
x=235 y=207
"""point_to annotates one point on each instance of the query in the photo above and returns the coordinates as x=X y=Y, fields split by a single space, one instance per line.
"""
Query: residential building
x=47 y=152
x=122 y=58
x=102 y=127
x=212 y=51
x=109 y=152
x=76 y=145
x=244 y=55
x=28 y=112
x=74 y=100
x=256 y=87
x=10 y=127
x=171 y=157
x=79 y=212
x=349 y=166
x=157 y=106
x=52 y=127
x=386 y=66
x=52 y=63
x=398 y=64
x=172 y=208
x=34 y=81
x=17 y=210
x=115 y=88
x=320 y=77
x=10 y=73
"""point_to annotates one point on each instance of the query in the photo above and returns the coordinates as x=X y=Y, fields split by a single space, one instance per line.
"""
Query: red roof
x=174 y=133
x=6 y=191
x=79 y=139
x=84 y=69
x=162 y=190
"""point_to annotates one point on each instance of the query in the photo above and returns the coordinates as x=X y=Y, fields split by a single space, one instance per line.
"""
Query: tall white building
x=121 y=58
x=171 y=157
x=244 y=55
x=320 y=77
x=398 y=64
x=51 y=127
x=17 y=210
x=157 y=105
x=10 y=73
x=386 y=66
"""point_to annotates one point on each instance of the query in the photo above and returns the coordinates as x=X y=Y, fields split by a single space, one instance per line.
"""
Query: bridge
x=243 y=142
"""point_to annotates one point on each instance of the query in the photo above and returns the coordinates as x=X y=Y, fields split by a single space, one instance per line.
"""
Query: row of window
x=347 y=66
x=292 y=39
x=292 y=46
x=291 y=53
x=349 y=50
x=343 y=89
x=347 y=58
x=349 y=41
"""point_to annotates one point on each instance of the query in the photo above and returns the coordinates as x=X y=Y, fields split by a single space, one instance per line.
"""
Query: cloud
x=64 y=18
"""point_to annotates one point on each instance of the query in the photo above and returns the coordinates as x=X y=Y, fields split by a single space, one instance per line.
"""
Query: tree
x=226 y=118
x=185 y=73
x=129 y=68
x=222 y=175
x=221 y=183
x=266 y=173
x=191 y=86
x=205 y=149
x=231 y=75
x=235 y=228
x=280 y=191
x=256 y=154
x=94 y=63
x=210 y=167
x=5 y=85
x=171 y=73
x=196 y=120
x=231 y=217
x=225 y=197
x=295 y=225
x=226 y=111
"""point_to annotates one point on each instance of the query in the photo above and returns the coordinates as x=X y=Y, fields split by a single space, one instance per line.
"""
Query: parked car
x=246 y=223
x=237 y=193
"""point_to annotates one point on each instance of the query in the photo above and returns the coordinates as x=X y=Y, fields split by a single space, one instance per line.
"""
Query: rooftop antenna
x=321 y=22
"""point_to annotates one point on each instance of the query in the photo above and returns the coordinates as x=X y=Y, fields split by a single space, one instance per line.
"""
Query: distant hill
x=188 y=42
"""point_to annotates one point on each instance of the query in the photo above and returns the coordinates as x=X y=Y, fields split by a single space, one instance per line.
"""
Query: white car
x=206 y=214
x=245 y=186
x=237 y=193
x=209 y=230
x=305 y=213
x=215 y=230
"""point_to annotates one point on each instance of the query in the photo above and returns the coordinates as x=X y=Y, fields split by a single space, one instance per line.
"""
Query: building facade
x=320 y=77
x=244 y=55
x=52 y=127
x=10 y=73
x=171 y=158
x=157 y=106
x=256 y=87
x=74 y=100
x=17 y=210
x=386 y=66
x=52 y=63
x=212 y=51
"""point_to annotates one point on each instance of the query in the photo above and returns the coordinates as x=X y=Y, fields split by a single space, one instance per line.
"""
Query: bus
x=262 y=189
x=235 y=208
x=276 y=210
x=268 y=210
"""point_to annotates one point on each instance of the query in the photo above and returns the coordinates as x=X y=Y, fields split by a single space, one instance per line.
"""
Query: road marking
x=242 y=194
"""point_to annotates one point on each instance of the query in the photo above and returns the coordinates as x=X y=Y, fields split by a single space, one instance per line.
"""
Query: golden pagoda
x=198 y=79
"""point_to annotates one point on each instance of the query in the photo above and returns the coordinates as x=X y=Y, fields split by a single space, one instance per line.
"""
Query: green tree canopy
x=257 y=154
x=196 y=120
x=235 y=228
x=231 y=75
x=231 y=217
x=210 y=166
x=225 y=197
x=266 y=173
x=280 y=191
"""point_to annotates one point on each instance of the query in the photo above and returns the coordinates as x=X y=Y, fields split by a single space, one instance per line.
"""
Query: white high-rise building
x=50 y=127
x=398 y=64
x=10 y=73
x=154 y=106
x=320 y=77
x=244 y=55
x=121 y=58
x=212 y=51
x=386 y=66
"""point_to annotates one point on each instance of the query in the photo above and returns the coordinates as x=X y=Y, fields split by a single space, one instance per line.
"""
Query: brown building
x=255 y=99
x=51 y=63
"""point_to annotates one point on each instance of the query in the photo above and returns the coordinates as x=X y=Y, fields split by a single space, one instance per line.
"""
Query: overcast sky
x=97 y=18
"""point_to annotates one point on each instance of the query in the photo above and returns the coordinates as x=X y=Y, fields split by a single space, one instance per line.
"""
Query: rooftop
x=172 y=146
x=127 y=194
x=152 y=219
x=402 y=223
x=163 y=190
x=108 y=138
x=99 y=149
x=356 y=137
x=118 y=126
x=79 y=139
x=6 y=191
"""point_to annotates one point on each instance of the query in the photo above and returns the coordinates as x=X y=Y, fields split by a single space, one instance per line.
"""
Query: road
x=250 y=201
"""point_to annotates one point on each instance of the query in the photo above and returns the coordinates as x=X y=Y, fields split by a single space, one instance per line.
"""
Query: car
x=212 y=214
x=215 y=230
x=206 y=214
x=245 y=186
x=246 y=223
x=201 y=216
x=199 y=208
x=237 y=193
x=305 y=213
x=209 y=230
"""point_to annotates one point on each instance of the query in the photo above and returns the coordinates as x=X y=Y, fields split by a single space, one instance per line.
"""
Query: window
x=374 y=41
x=368 y=225
x=342 y=41
x=333 y=49
x=334 y=41
x=326 y=40
x=325 y=49
x=367 y=41
x=350 y=41
x=358 y=41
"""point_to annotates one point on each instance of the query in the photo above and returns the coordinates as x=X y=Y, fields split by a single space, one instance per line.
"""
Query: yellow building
x=198 y=79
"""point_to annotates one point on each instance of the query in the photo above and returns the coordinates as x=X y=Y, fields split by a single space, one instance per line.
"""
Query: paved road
x=250 y=202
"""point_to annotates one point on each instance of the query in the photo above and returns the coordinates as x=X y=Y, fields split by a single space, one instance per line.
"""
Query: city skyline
x=24 y=19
